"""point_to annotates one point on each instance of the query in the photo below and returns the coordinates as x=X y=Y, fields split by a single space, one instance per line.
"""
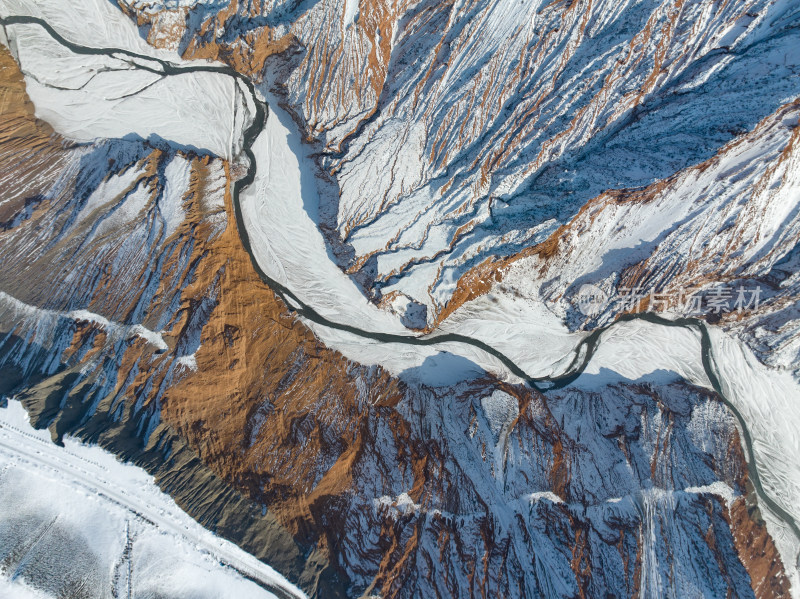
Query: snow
x=405 y=504
x=290 y=248
x=350 y=12
x=89 y=97
x=657 y=505
x=99 y=502
x=178 y=175
x=402 y=504
x=108 y=193
x=278 y=211
x=769 y=402
x=97 y=22
x=718 y=488
x=638 y=348
x=527 y=116
x=128 y=210
x=23 y=312
x=548 y=495
x=189 y=361
x=525 y=331
x=17 y=589
x=194 y=110
x=154 y=6
x=500 y=409
x=151 y=337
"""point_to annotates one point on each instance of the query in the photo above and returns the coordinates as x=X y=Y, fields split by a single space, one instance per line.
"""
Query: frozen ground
x=76 y=518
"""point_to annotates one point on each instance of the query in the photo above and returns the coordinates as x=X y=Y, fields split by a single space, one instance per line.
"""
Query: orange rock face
x=28 y=146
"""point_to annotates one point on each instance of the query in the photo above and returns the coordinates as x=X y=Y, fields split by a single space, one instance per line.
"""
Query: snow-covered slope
x=731 y=220
x=76 y=520
x=280 y=213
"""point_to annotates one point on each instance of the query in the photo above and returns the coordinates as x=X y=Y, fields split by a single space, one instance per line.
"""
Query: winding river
x=582 y=353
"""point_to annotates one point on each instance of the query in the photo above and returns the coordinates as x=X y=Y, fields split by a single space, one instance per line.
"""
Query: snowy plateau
x=292 y=298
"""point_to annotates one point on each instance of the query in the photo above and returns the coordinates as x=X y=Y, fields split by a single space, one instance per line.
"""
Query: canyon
x=376 y=378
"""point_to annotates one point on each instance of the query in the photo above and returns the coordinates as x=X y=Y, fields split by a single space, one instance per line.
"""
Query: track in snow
x=97 y=479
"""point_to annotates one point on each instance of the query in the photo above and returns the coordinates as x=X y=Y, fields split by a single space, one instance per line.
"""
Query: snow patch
x=350 y=12
x=401 y=505
x=500 y=410
x=546 y=495
x=718 y=488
